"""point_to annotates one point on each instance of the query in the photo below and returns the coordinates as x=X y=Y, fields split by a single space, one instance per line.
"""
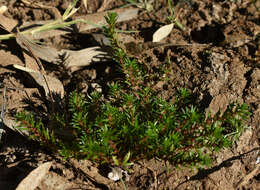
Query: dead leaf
x=8 y=59
x=75 y=59
x=29 y=62
x=51 y=83
x=162 y=32
x=46 y=53
x=11 y=124
x=85 y=3
x=3 y=8
x=8 y=23
x=33 y=180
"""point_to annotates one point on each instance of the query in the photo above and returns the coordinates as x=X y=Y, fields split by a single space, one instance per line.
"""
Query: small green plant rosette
x=104 y=131
x=133 y=123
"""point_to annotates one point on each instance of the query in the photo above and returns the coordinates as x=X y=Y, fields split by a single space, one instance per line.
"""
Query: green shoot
x=174 y=17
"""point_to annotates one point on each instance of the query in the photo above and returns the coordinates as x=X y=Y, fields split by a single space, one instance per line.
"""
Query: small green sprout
x=174 y=17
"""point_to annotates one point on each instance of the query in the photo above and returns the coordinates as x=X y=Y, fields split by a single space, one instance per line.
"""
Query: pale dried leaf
x=73 y=59
x=126 y=14
x=77 y=59
x=35 y=177
x=30 y=62
x=11 y=124
x=54 y=84
x=28 y=70
x=8 y=59
x=26 y=43
x=162 y=32
x=85 y=3
x=46 y=53
x=3 y=9
x=8 y=23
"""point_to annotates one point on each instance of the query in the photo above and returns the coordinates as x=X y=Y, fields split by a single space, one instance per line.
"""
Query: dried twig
x=2 y=113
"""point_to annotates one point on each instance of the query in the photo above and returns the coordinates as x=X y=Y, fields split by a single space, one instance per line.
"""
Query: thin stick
x=2 y=113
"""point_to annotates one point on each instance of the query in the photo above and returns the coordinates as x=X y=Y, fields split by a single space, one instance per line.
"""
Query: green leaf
x=116 y=162
x=126 y=158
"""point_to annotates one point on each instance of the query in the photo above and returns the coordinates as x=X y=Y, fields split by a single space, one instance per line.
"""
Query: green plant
x=173 y=16
x=124 y=164
x=132 y=118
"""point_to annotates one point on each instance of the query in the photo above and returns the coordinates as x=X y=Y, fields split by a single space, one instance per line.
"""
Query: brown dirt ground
x=226 y=70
